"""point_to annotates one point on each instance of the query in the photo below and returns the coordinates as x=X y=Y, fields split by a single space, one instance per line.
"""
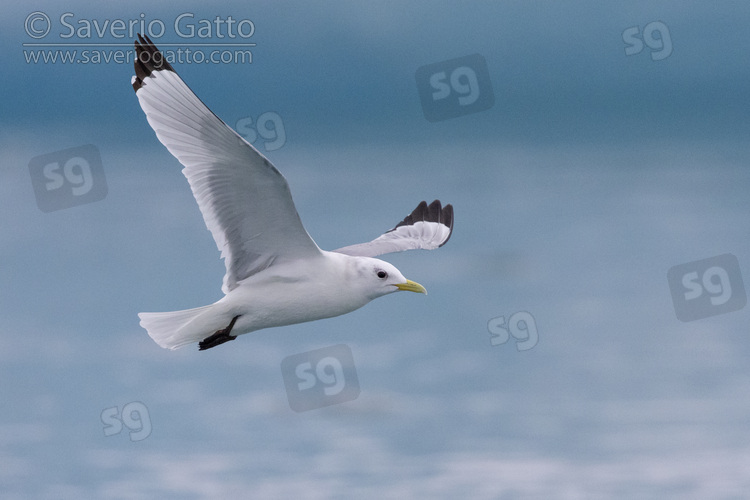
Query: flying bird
x=276 y=274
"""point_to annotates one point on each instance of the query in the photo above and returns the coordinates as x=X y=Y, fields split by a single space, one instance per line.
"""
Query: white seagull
x=276 y=274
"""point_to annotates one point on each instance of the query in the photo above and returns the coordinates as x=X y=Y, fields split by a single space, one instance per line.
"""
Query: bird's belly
x=287 y=305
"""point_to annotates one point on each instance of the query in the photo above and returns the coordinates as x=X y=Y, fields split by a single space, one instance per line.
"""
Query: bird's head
x=381 y=278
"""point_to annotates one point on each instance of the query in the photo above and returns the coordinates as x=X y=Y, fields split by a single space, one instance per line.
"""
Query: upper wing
x=245 y=201
x=427 y=227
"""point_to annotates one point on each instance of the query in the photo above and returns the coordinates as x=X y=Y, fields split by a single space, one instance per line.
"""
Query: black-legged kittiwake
x=276 y=274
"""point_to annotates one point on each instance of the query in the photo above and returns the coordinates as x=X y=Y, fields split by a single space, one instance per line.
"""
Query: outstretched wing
x=245 y=201
x=427 y=227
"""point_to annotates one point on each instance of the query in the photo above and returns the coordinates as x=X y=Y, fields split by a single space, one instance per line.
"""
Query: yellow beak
x=411 y=286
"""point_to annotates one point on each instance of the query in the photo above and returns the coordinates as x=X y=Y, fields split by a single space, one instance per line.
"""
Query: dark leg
x=219 y=337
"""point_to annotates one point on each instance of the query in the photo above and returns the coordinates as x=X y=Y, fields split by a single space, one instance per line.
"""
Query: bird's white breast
x=296 y=292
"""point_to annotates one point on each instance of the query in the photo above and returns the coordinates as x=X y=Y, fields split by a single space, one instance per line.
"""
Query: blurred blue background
x=615 y=149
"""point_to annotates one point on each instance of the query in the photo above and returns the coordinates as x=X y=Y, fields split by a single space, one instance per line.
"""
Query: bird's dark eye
x=382 y=274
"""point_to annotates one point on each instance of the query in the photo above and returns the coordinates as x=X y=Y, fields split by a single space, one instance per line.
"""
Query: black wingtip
x=147 y=60
x=434 y=212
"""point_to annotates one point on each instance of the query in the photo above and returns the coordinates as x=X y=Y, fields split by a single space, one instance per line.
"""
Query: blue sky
x=592 y=174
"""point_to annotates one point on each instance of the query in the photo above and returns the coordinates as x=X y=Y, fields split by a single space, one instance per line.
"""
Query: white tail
x=166 y=327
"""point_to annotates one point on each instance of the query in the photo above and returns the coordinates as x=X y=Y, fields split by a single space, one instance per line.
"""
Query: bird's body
x=296 y=292
x=276 y=274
